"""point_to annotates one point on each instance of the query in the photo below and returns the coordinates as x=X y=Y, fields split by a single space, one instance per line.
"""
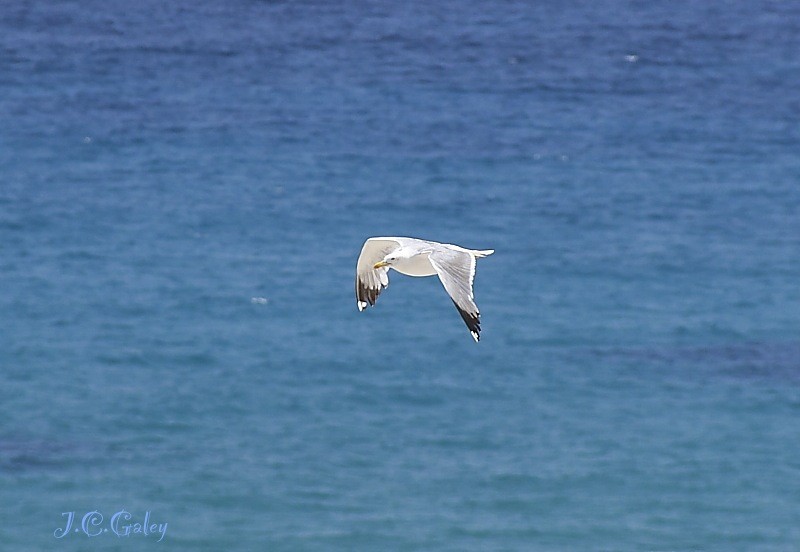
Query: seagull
x=454 y=265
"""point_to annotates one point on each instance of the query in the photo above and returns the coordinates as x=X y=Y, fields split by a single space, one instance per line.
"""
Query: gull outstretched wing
x=371 y=281
x=456 y=270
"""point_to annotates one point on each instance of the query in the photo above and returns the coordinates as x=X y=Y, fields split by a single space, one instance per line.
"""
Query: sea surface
x=184 y=191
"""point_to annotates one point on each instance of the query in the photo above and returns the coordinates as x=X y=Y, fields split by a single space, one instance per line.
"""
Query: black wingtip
x=366 y=296
x=472 y=320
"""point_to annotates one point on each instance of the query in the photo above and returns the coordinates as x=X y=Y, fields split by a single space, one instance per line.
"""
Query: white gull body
x=455 y=266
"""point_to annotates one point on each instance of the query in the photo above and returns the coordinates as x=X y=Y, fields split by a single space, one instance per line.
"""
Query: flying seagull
x=454 y=265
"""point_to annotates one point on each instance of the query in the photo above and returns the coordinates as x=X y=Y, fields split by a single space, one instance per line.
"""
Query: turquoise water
x=184 y=190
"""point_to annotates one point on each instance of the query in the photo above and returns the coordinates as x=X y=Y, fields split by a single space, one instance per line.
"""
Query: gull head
x=388 y=261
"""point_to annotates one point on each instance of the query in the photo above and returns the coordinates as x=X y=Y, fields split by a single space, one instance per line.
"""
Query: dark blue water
x=184 y=190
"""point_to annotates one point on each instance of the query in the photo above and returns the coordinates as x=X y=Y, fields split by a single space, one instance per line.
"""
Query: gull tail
x=483 y=253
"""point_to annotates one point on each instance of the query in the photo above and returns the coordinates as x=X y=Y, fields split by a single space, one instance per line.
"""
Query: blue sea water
x=184 y=190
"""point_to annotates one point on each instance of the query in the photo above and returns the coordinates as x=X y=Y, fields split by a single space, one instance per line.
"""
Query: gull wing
x=370 y=281
x=456 y=270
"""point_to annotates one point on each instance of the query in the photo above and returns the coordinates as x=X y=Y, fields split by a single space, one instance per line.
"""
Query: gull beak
x=380 y=264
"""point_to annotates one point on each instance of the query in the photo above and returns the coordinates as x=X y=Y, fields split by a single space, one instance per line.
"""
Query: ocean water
x=184 y=190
